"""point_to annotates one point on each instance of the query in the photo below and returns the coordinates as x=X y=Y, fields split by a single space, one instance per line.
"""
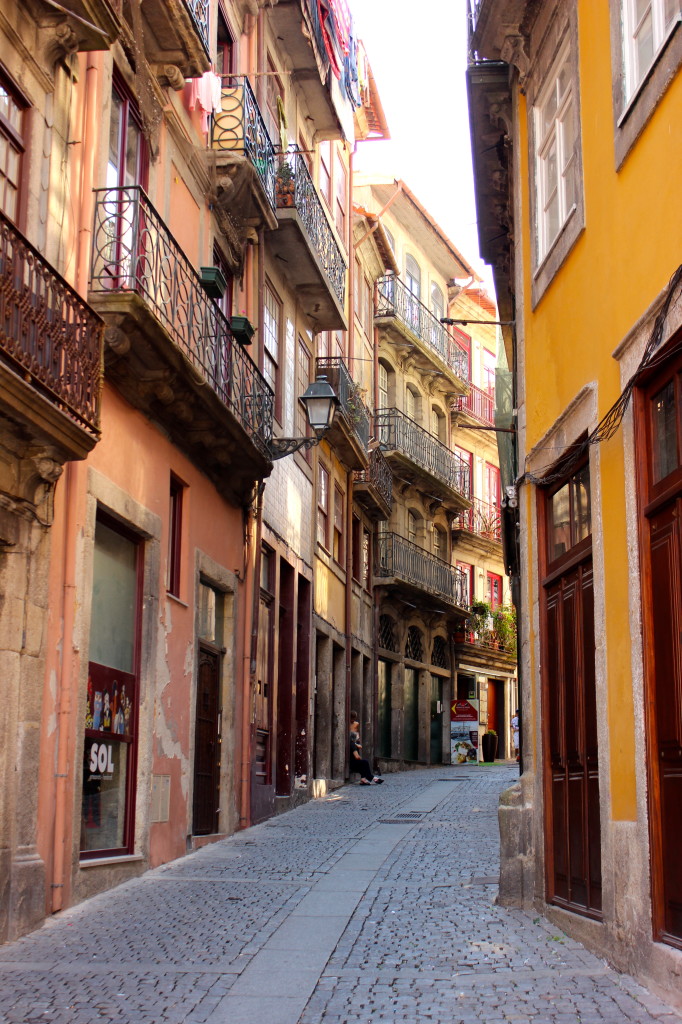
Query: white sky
x=418 y=54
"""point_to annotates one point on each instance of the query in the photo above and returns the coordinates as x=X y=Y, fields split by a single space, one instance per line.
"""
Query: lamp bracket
x=283 y=446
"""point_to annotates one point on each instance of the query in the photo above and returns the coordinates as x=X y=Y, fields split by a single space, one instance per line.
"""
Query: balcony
x=412 y=570
x=483 y=520
x=169 y=349
x=86 y=25
x=50 y=351
x=305 y=244
x=478 y=404
x=243 y=153
x=415 y=329
x=373 y=486
x=175 y=34
x=296 y=26
x=423 y=460
x=349 y=433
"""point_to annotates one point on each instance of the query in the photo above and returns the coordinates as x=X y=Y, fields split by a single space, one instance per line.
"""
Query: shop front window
x=112 y=691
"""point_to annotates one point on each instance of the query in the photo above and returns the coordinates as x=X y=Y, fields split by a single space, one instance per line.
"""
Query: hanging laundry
x=343 y=19
x=205 y=93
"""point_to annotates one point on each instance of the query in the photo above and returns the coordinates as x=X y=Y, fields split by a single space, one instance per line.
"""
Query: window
x=339 y=545
x=569 y=515
x=489 y=363
x=383 y=387
x=127 y=163
x=272 y=326
x=391 y=240
x=366 y=558
x=468 y=571
x=438 y=425
x=413 y=276
x=111 y=699
x=224 y=50
x=325 y=174
x=174 y=536
x=303 y=428
x=437 y=301
x=323 y=506
x=341 y=198
x=494 y=590
x=492 y=485
x=324 y=344
x=274 y=106
x=11 y=148
x=646 y=26
x=225 y=302
x=440 y=543
x=412 y=402
x=412 y=523
x=555 y=154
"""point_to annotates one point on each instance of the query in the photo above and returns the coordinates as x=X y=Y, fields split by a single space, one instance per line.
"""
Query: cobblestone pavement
x=370 y=905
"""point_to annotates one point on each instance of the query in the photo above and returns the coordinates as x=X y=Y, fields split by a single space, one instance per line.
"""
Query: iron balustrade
x=400 y=558
x=133 y=251
x=474 y=12
x=199 y=9
x=397 y=432
x=295 y=187
x=354 y=409
x=240 y=127
x=394 y=298
x=477 y=403
x=47 y=331
x=483 y=518
x=379 y=475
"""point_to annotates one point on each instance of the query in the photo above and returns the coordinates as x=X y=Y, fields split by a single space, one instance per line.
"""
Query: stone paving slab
x=325 y=915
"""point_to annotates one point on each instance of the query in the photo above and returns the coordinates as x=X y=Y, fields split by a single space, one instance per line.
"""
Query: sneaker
x=377 y=781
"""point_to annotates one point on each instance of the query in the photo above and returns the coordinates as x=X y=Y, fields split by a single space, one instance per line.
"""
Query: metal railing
x=394 y=298
x=400 y=558
x=199 y=9
x=483 y=518
x=133 y=251
x=477 y=403
x=240 y=128
x=47 y=332
x=474 y=12
x=295 y=188
x=379 y=475
x=352 y=406
x=397 y=432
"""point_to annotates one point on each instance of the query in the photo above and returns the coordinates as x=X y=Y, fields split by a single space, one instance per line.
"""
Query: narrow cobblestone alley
x=369 y=905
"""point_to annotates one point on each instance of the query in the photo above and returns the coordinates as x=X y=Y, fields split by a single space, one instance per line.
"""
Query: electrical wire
x=611 y=421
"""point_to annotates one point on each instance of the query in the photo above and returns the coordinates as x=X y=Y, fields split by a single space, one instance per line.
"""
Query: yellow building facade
x=575 y=111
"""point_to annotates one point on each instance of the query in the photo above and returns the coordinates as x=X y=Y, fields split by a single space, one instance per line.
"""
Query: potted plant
x=480 y=621
x=504 y=627
x=242 y=328
x=489 y=744
x=285 y=184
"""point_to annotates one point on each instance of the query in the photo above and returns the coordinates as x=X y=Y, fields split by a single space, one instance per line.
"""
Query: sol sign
x=102 y=758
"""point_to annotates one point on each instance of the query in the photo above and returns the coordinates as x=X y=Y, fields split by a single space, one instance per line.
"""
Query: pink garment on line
x=205 y=93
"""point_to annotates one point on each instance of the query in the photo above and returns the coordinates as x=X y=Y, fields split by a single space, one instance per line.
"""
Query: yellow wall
x=623 y=259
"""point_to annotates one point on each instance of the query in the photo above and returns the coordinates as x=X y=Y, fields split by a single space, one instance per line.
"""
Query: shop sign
x=464 y=731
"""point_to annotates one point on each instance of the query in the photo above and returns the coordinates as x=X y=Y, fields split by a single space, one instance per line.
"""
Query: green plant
x=504 y=627
x=285 y=174
x=492 y=732
x=479 y=620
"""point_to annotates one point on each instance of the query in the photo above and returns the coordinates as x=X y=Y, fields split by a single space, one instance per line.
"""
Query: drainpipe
x=252 y=575
x=349 y=600
x=72 y=480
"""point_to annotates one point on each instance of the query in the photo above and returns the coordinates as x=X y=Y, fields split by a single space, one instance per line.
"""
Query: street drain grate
x=411 y=814
x=403 y=818
x=462 y=778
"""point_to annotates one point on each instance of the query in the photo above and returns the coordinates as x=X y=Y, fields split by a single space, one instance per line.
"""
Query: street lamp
x=321 y=403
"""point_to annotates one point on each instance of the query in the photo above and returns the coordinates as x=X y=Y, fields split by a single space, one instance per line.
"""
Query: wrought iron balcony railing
x=483 y=518
x=393 y=298
x=397 y=432
x=47 y=332
x=477 y=403
x=240 y=128
x=199 y=9
x=295 y=188
x=379 y=475
x=133 y=251
x=352 y=406
x=400 y=558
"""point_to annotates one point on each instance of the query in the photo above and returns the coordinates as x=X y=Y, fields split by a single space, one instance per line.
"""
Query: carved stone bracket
x=169 y=75
x=58 y=40
x=515 y=51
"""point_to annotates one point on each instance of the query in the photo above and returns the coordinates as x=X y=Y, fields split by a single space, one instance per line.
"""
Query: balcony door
x=572 y=822
x=127 y=166
x=413 y=283
x=659 y=432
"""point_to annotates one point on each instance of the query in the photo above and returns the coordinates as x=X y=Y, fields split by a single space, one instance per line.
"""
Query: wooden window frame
x=175 y=517
x=339 y=526
x=323 y=474
x=16 y=140
x=274 y=378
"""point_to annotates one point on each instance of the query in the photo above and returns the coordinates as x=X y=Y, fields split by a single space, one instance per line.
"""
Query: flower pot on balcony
x=489 y=745
x=243 y=329
x=213 y=281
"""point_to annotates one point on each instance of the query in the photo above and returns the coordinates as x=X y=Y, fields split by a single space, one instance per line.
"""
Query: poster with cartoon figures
x=109 y=701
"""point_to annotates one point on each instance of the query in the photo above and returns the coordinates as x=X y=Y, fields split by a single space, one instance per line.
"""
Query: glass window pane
x=582 y=510
x=207 y=613
x=114 y=600
x=105 y=767
x=671 y=11
x=549 y=111
x=132 y=154
x=114 y=141
x=552 y=219
x=664 y=432
x=644 y=43
x=641 y=8
x=560 y=536
x=4 y=102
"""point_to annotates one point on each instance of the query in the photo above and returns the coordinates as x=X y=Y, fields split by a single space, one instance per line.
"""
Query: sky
x=418 y=53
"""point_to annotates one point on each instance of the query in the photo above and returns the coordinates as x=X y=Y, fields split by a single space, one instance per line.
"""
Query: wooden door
x=573 y=783
x=262 y=769
x=436 y=721
x=207 y=745
x=411 y=715
x=384 y=702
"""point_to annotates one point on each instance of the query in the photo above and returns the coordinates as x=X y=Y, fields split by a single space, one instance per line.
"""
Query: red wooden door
x=573 y=784
x=207 y=745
